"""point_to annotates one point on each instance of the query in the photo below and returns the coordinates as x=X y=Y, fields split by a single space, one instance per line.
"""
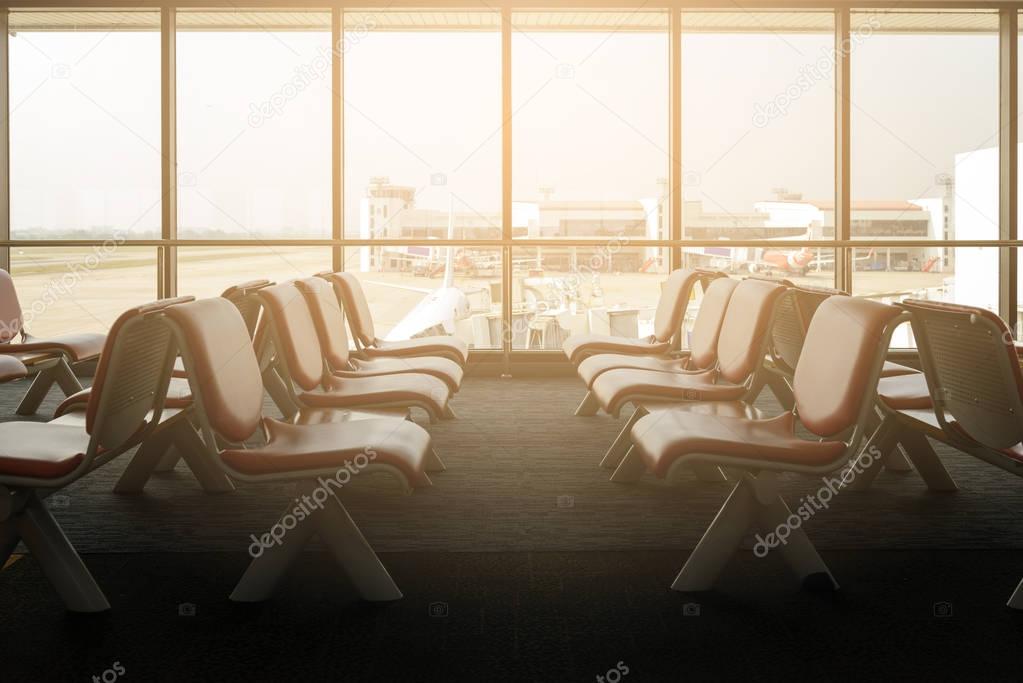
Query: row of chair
x=823 y=354
x=192 y=374
x=51 y=358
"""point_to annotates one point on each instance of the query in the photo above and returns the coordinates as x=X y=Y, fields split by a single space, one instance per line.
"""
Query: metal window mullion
x=337 y=132
x=506 y=188
x=1008 y=63
x=843 y=87
x=5 y=139
x=675 y=171
x=167 y=263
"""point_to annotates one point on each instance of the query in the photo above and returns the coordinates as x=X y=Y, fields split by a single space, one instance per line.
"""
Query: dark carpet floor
x=549 y=572
x=525 y=616
x=523 y=475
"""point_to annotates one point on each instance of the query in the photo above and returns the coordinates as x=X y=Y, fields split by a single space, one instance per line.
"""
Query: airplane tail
x=449 y=263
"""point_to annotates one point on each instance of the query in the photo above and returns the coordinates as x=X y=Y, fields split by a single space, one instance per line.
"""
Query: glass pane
x=758 y=108
x=606 y=289
x=421 y=290
x=920 y=144
x=254 y=125
x=422 y=124
x=590 y=124
x=85 y=147
x=810 y=266
x=208 y=271
x=962 y=275
x=64 y=290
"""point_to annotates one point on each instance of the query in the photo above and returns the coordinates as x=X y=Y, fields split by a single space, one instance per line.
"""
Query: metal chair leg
x=927 y=462
x=622 y=443
x=589 y=406
x=269 y=566
x=59 y=373
x=1016 y=601
x=351 y=550
x=58 y=559
x=720 y=541
x=630 y=469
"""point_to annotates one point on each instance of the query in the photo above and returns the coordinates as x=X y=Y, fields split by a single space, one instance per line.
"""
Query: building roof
x=857 y=205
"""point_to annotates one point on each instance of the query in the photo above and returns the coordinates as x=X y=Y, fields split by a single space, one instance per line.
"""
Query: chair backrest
x=222 y=368
x=328 y=318
x=744 y=330
x=703 y=342
x=294 y=334
x=840 y=362
x=973 y=372
x=792 y=322
x=11 y=320
x=244 y=299
x=672 y=304
x=132 y=374
x=355 y=305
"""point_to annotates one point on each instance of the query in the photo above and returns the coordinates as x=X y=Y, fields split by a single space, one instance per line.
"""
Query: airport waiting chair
x=671 y=308
x=227 y=391
x=11 y=369
x=330 y=326
x=162 y=451
x=741 y=346
x=970 y=395
x=701 y=354
x=37 y=458
x=834 y=390
x=360 y=321
x=50 y=358
x=300 y=361
x=787 y=336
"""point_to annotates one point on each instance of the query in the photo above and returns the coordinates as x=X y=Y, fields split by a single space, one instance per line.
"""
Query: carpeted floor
x=523 y=475
x=549 y=571
x=545 y=617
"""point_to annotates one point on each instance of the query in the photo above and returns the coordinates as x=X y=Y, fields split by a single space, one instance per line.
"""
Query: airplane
x=761 y=260
x=440 y=308
x=796 y=262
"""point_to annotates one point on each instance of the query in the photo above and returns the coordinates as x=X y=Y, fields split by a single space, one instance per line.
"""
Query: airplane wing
x=409 y=288
x=440 y=308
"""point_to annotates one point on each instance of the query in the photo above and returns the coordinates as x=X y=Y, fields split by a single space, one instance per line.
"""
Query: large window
x=66 y=290
x=925 y=138
x=254 y=112
x=422 y=125
x=399 y=169
x=590 y=124
x=85 y=125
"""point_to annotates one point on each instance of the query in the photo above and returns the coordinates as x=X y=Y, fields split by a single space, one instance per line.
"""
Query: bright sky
x=590 y=121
